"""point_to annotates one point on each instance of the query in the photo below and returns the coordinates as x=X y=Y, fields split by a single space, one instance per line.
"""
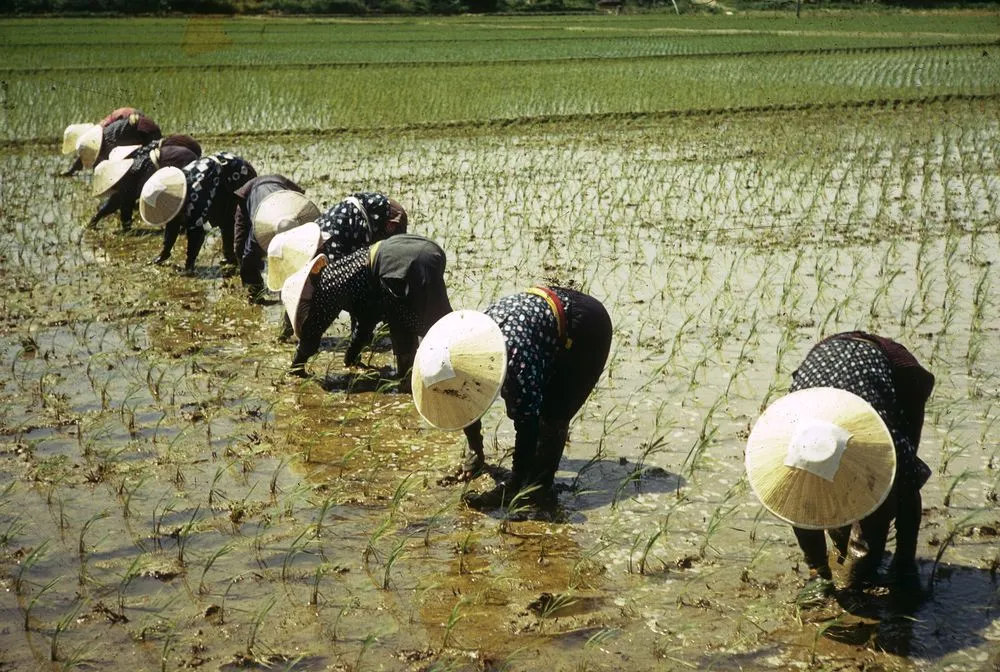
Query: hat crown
x=435 y=364
x=817 y=446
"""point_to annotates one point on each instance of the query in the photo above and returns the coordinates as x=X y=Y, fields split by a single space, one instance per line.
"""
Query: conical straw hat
x=89 y=145
x=289 y=251
x=122 y=152
x=459 y=369
x=281 y=211
x=163 y=196
x=72 y=135
x=297 y=291
x=108 y=174
x=821 y=458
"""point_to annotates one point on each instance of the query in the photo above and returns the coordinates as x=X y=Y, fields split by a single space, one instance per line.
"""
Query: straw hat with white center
x=297 y=291
x=108 y=174
x=72 y=135
x=89 y=145
x=459 y=369
x=289 y=251
x=821 y=458
x=279 y=212
x=122 y=152
x=163 y=196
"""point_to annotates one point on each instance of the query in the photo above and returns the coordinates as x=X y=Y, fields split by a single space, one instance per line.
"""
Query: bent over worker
x=845 y=446
x=553 y=342
x=399 y=281
x=359 y=220
x=193 y=199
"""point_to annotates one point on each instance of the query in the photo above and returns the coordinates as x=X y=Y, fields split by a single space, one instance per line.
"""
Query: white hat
x=821 y=458
x=72 y=135
x=297 y=291
x=89 y=145
x=289 y=251
x=108 y=174
x=459 y=369
x=163 y=196
x=281 y=211
x=122 y=151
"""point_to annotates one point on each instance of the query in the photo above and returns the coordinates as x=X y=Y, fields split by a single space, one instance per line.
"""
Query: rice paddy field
x=733 y=188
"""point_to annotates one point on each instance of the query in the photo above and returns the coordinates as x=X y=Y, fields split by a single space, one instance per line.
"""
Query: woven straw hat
x=459 y=369
x=89 y=145
x=122 y=152
x=289 y=251
x=108 y=174
x=821 y=458
x=72 y=135
x=163 y=196
x=297 y=291
x=281 y=211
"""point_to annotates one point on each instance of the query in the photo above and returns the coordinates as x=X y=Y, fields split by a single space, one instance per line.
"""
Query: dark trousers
x=541 y=441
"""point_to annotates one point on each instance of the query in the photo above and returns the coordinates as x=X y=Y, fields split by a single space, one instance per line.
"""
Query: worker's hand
x=162 y=257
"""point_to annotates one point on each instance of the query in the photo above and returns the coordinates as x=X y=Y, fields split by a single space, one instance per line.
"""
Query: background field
x=732 y=188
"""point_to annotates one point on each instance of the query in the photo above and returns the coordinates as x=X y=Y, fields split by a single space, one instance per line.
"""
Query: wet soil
x=171 y=499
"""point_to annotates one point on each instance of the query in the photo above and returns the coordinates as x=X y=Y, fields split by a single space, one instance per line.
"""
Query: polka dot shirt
x=532 y=334
x=348 y=284
x=860 y=367
x=210 y=178
x=351 y=228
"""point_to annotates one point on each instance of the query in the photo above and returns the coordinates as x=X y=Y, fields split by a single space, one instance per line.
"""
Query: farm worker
x=839 y=453
x=543 y=350
x=96 y=144
x=120 y=179
x=358 y=221
x=265 y=206
x=399 y=280
x=73 y=132
x=194 y=198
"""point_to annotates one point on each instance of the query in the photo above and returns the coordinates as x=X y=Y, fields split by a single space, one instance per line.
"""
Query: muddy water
x=176 y=501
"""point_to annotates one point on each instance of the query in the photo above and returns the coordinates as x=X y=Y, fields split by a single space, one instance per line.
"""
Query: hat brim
x=122 y=152
x=89 y=146
x=296 y=293
x=862 y=482
x=108 y=175
x=71 y=136
x=289 y=251
x=279 y=212
x=477 y=353
x=171 y=185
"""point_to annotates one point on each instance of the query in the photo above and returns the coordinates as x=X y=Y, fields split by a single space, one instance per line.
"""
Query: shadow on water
x=949 y=616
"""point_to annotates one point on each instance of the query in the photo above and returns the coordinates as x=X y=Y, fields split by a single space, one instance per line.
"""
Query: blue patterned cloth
x=862 y=368
x=531 y=332
x=350 y=228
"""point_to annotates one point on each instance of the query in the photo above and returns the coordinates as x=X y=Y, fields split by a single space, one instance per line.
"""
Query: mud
x=173 y=500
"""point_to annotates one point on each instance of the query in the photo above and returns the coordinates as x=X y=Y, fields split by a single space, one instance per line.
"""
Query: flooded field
x=171 y=499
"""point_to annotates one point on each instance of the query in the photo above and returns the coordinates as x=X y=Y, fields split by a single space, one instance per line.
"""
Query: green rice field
x=732 y=188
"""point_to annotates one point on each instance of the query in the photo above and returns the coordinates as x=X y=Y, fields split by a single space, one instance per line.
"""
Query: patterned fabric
x=860 y=367
x=140 y=159
x=207 y=179
x=531 y=332
x=351 y=228
x=348 y=284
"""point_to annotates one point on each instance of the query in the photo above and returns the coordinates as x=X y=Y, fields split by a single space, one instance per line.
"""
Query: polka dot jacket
x=348 y=284
x=532 y=334
x=350 y=228
x=211 y=178
x=862 y=368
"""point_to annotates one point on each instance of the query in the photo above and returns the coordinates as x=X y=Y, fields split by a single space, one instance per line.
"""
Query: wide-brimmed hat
x=88 y=146
x=297 y=291
x=821 y=458
x=72 y=135
x=279 y=212
x=163 y=196
x=289 y=251
x=459 y=369
x=108 y=174
x=122 y=152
